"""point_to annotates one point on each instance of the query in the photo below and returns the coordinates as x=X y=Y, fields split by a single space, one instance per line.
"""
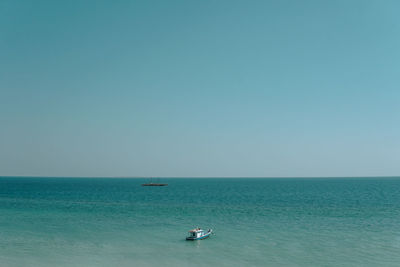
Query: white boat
x=198 y=233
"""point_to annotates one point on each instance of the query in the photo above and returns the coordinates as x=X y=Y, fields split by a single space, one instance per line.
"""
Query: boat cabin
x=196 y=233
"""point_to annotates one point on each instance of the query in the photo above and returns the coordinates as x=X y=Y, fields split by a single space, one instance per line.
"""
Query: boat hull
x=198 y=238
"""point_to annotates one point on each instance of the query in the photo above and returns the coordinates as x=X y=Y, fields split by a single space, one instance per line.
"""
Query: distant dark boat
x=154 y=184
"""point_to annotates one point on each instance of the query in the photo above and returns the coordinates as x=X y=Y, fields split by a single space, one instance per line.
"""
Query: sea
x=256 y=222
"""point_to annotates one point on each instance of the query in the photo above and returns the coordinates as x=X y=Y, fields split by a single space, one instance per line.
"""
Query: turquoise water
x=257 y=222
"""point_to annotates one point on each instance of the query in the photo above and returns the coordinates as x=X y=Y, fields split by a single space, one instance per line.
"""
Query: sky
x=200 y=88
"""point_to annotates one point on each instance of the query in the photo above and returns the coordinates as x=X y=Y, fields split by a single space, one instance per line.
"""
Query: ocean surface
x=257 y=222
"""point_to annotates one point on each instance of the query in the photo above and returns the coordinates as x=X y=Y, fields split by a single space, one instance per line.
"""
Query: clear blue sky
x=200 y=88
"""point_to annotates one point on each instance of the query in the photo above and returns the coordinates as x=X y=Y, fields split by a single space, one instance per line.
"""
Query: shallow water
x=257 y=222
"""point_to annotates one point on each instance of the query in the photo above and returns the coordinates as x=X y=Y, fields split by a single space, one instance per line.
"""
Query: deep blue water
x=257 y=222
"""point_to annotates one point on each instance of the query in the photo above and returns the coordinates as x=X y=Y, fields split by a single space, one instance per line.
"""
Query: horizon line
x=196 y=177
